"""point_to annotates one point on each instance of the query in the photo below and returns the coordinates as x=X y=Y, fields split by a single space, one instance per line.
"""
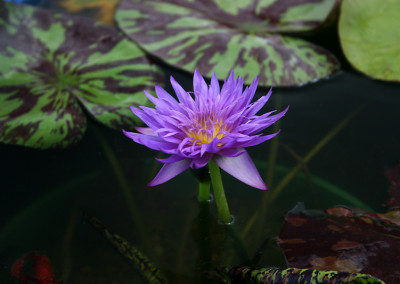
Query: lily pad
x=292 y=275
x=343 y=240
x=218 y=36
x=53 y=64
x=369 y=32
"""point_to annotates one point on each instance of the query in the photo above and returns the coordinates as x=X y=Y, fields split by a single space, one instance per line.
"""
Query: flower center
x=203 y=131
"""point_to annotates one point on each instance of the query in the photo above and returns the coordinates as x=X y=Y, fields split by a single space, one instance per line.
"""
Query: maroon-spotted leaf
x=342 y=240
x=220 y=35
x=290 y=275
x=52 y=65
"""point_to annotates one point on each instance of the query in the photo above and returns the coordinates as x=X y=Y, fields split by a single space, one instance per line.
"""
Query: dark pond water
x=43 y=193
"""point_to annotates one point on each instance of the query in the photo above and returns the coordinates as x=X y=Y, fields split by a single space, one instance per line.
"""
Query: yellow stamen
x=203 y=136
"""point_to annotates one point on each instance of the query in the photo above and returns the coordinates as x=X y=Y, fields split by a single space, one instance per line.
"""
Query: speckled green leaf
x=369 y=33
x=293 y=275
x=218 y=36
x=52 y=65
x=141 y=263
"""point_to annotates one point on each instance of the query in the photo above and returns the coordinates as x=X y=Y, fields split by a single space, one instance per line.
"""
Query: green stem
x=204 y=191
x=219 y=194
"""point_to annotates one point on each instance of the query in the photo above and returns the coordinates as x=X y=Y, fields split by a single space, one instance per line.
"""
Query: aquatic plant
x=251 y=37
x=209 y=126
x=52 y=73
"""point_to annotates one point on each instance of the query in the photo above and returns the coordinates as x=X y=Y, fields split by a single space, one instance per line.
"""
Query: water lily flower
x=209 y=124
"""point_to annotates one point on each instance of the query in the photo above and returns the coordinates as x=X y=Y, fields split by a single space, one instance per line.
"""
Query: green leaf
x=292 y=275
x=52 y=64
x=142 y=264
x=217 y=36
x=369 y=32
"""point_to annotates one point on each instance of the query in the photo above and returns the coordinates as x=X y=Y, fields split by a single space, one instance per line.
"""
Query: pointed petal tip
x=263 y=187
x=152 y=184
x=283 y=112
x=172 y=79
x=242 y=168
x=169 y=171
x=198 y=75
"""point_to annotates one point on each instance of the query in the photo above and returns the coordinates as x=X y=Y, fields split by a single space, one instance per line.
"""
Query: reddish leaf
x=343 y=240
x=41 y=264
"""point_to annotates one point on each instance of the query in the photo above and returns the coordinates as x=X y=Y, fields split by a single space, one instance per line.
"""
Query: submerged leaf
x=369 y=32
x=218 y=36
x=51 y=64
x=142 y=264
x=343 y=240
x=292 y=275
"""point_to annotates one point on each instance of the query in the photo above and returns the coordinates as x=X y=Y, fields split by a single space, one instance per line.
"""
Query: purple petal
x=256 y=106
x=200 y=162
x=231 y=152
x=145 y=130
x=260 y=124
x=214 y=85
x=152 y=142
x=212 y=147
x=228 y=85
x=163 y=94
x=151 y=98
x=169 y=171
x=170 y=159
x=182 y=95
x=255 y=140
x=199 y=85
x=242 y=168
x=252 y=90
x=148 y=116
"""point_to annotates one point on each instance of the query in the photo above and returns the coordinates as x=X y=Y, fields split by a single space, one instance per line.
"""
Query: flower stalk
x=204 y=191
x=219 y=193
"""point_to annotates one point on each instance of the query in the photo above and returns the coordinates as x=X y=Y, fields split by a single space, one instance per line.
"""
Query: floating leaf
x=343 y=240
x=369 y=32
x=292 y=275
x=105 y=8
x=142 y=264
x=218 y=36
x=52 y=64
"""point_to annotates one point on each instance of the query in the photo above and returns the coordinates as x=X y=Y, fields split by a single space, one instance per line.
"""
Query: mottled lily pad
x=53 y=65
x=343 y=240
x=369 y=32
x=292 y=275
x=218 y=36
